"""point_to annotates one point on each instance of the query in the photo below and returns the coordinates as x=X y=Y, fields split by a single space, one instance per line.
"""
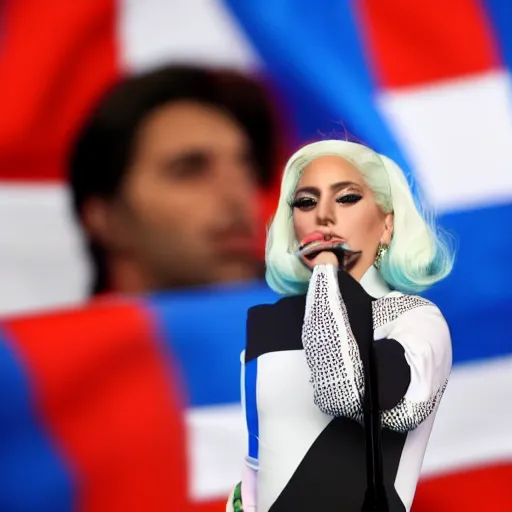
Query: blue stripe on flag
x=32 y=475
x=476 y=298
x=500 y=12
x=313 y=50
x=251 y=407
x=205 y=331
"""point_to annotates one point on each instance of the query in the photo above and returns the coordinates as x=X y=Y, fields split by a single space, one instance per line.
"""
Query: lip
x=237 y=243
x=318 y=236
x=335 y=238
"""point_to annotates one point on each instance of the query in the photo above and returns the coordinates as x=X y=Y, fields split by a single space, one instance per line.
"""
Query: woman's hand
x=323 y=258
x=317 y=251
x=311 y=252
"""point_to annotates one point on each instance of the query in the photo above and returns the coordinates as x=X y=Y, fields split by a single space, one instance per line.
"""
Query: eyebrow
x=335 y=187
x=187 y=157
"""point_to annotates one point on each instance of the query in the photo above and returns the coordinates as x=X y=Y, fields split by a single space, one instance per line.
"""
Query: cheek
x=167 y=209
x=164 y=213
x=147 y=196
x=363 y=226
x=167 y=214
x=303 y=224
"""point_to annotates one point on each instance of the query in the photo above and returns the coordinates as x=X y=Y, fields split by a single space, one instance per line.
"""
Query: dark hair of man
x=104 y=146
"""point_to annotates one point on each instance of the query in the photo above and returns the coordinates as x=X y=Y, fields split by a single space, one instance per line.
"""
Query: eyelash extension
x=303 y=202
x=309 y=202
x=349 y=198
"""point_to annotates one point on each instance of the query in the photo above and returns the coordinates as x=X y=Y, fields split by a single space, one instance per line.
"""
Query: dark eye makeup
x=307 y=203
x=350 y=198
x=304 y=203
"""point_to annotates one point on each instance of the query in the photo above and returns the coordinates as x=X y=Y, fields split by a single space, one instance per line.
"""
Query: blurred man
x=166 y=176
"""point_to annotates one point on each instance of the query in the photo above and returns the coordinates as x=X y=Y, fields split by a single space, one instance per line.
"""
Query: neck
x=358 y=272
x=360 y=269
x=373 y=283
x=127 y=277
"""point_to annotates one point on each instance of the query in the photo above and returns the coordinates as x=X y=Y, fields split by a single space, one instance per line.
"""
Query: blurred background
x=141 y=146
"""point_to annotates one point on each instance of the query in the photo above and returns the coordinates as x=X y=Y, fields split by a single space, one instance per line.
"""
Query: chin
x=239 y=271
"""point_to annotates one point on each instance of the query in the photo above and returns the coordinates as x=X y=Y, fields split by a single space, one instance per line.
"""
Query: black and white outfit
x=303 y=387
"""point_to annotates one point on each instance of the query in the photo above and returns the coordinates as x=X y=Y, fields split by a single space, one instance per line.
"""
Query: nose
x=325 y=215
x=238 y=193
x=237 y=189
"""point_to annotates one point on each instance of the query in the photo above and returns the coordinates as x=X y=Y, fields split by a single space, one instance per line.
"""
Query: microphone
x=345 y=255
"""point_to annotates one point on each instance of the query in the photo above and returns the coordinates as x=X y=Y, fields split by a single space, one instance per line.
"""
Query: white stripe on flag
x=217 y=445
x=472 y=428
x=42 y=264
x=156 y=32
x=474 y=421
x=458 y=137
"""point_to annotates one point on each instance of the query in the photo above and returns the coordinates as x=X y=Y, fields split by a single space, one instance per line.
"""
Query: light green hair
x=419 y=254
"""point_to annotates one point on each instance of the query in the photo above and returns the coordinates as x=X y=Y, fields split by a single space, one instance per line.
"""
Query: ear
x=94 y=218
x=101 y=221
x=387 y=234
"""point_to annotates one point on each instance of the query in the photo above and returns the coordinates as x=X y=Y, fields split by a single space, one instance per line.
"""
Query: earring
x=382 y=249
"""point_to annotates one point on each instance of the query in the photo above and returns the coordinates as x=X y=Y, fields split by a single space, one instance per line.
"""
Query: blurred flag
x=91 y=418
x=428 y=84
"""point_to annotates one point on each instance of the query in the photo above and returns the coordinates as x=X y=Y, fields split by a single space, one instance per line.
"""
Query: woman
x=306 y=366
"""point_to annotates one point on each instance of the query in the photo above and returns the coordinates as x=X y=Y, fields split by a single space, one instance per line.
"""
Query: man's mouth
x=236 y=241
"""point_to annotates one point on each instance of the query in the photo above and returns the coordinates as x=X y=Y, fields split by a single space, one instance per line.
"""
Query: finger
x=313 y=250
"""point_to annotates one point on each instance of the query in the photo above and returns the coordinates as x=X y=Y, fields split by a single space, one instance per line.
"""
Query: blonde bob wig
x=419 y=254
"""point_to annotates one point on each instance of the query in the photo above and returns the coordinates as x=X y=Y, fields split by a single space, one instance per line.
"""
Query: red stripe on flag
x=473 y=490
x=210 y=506
x=103 y=391
x=56 y=58
x=413 y=43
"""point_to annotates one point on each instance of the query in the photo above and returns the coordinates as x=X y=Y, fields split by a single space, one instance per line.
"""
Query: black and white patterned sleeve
x=422 y=333
x=412 y=350
x=331 y=350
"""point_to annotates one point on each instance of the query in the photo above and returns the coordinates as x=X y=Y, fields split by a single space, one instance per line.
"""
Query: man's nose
x=238 y=193
x=237 y=183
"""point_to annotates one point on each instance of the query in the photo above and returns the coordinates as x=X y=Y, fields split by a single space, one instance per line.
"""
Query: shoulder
x=275 y=327
x=282 y=306
x=405 y=307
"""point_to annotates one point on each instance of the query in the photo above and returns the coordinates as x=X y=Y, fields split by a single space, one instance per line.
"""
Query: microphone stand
x=375 y=498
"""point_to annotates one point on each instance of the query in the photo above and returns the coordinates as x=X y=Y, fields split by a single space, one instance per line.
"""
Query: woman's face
x=332 y=198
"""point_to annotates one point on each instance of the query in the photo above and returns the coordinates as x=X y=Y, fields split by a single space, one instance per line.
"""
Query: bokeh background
x=427 y=83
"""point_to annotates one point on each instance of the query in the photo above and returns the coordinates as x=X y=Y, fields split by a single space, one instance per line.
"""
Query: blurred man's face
x=188 y=210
